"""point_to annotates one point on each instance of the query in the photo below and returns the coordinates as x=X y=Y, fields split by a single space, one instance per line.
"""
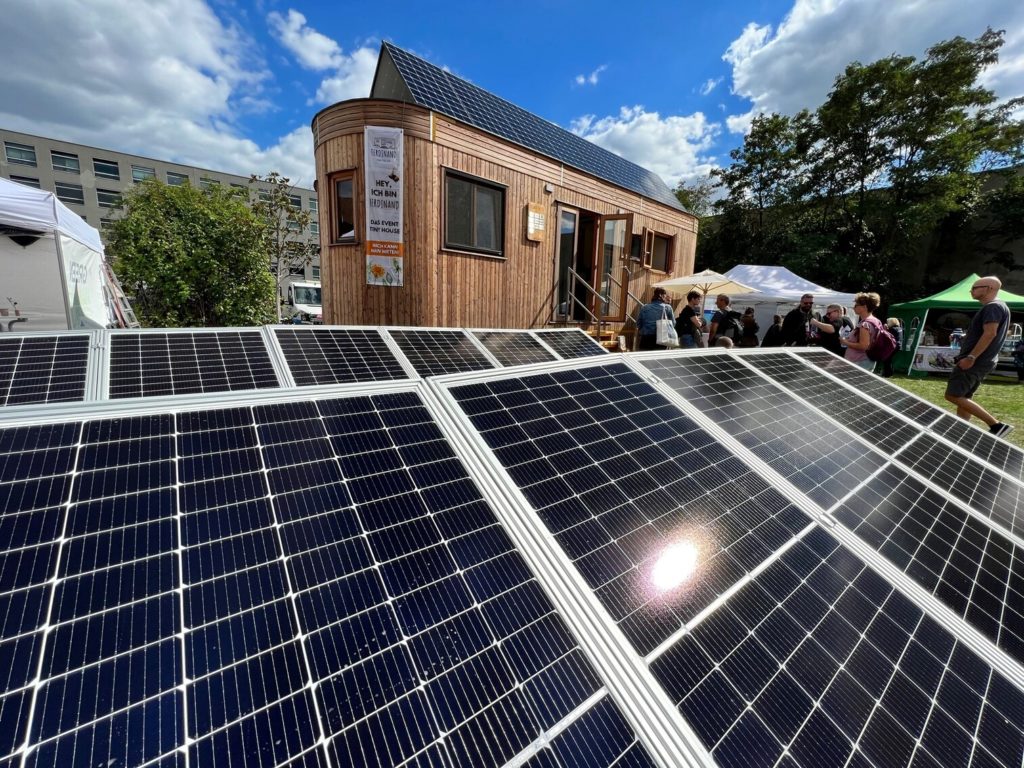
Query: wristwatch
x=970 y=357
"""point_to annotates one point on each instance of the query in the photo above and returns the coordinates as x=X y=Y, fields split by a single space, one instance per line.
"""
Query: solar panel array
x=439 y=90
x=43 y=368
x=571 y=342
x=471 y=571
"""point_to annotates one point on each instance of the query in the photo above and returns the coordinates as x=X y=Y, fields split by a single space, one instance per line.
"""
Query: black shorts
x=965 y=383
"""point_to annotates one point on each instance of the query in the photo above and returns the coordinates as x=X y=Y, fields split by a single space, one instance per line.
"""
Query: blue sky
x=233 y=84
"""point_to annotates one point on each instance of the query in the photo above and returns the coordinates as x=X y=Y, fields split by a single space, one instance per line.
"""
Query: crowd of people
x=856 y=340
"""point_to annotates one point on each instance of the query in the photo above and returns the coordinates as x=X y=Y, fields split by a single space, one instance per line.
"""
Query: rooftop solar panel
x=571 y=342
x=514 y=347
x=440 y=90
x=437 y=352
x=152 y=364
x=43 y=369
x=301 y=583
x=337 y=355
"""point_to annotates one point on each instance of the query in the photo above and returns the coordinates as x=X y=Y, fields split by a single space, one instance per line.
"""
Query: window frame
x=115 y=176
x=332 y=206
x=107 y=204
x=69 y=184
x=670 y=252
x=502 y=189
x=26 y=148
x=180 y=179
x=55 y=153
x=145 y=173
x=27 y=181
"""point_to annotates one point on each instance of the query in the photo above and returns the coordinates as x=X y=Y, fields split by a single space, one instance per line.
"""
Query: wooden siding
x=445 y=287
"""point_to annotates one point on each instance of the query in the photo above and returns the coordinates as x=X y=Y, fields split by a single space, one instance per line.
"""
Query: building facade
x=508 y=221
x=90 y=181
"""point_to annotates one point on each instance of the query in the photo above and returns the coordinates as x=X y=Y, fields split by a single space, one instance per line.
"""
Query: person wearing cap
x=979 y=353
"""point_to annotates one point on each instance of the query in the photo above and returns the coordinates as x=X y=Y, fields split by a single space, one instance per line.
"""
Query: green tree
x=276 y=204
x=192 y=258
x=696 y=196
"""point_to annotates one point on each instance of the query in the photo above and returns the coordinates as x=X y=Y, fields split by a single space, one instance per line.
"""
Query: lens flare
x=674 y=566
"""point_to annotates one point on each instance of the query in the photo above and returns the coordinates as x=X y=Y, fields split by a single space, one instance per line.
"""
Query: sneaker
x=1000 y=430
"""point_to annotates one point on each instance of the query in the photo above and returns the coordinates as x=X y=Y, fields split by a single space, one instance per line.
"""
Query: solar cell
x=624 y=481
x=443 y=92
x=814 y=454
x=337 y=355
x=819 y=661
x=571 y=342
x=43 y=369
x=301 y=583
x=988 y=448
x=152 y=364
x=436 y=352
x=514 y=347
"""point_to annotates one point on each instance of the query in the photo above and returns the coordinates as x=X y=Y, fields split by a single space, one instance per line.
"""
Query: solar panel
x=514 y=347
x=152 y=364
x=436 y=352
x=302 y=583
x=440 y=90
x=43 y=369
x=814 y=454
x=571 y=342
x=337 y=355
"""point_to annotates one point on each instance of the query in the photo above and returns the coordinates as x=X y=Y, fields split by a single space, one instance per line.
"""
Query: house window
x=661 y=253
x=474 y=214
x=106 y=224
x=295 y=201
x=176 y=179
x=207 y=183
x=20 y=154
x=69 y=193
x=299 y=270
x=141 y=173
x=344 y=203
x=108 y=198
x=313 y=206
x=64 y=161
x=316 y=272
x=293 y=226
x=106 y=169
x=314 y=228
x=28 y=181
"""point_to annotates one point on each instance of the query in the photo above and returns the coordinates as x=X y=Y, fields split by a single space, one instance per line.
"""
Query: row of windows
x=24 y=154
x=474 y=219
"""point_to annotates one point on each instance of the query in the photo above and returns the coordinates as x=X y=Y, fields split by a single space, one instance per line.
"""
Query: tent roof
x=957 y=297
x=38 y=210
x=782 y=285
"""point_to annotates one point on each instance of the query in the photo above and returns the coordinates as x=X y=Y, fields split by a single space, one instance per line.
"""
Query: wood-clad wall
x=449 y=288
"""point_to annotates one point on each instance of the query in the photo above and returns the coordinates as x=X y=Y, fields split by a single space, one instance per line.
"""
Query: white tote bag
x=667 y=336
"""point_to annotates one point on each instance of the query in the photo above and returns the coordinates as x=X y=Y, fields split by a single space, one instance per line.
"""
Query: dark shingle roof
x=427 y=85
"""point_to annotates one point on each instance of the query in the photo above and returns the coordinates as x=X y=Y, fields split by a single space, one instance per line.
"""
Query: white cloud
x=710 y=85
x=741 y=123
x=794 y=66
x=312 y=49
x=592 y=78
x=675 y=147
x=352 y=80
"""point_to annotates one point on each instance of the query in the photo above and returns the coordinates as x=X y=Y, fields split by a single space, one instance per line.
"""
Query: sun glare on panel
x=674 y=565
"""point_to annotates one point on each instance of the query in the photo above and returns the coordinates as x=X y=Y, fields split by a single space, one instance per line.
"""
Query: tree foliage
x=192 y=258
x=285 y=222
x=847 y=193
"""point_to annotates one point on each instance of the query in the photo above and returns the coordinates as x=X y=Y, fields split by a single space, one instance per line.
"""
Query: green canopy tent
x=914 y=314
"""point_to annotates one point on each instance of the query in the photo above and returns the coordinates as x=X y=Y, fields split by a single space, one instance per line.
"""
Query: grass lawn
x=1002 y=397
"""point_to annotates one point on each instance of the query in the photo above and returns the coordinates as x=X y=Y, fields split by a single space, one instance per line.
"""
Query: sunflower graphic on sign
x=383 y=270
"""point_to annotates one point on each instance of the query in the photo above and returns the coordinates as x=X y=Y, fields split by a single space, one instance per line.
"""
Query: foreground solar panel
x=43 y=368
x=148 y=364
x=514 y=347
x=571 y=342
x=337 y=355
x=776 y=643
x=435 y=352
x=301 y=583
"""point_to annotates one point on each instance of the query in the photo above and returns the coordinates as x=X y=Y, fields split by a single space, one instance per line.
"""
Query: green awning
x=956 y=297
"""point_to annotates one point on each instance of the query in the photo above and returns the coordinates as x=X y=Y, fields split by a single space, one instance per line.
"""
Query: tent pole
x=63 y=278
x=917 y=341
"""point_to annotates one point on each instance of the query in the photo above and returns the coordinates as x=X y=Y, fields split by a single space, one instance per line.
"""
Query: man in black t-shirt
x=690 y=321
x=979 y=353
x=796 y=325
x=829 y=328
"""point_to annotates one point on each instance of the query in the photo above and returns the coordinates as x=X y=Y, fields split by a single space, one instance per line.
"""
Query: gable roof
x=403 y=76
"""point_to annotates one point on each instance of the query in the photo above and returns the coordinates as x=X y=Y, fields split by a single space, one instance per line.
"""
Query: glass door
x=612 y=279
x=565 y=258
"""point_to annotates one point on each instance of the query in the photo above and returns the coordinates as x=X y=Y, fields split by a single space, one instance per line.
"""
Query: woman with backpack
x=868 y=327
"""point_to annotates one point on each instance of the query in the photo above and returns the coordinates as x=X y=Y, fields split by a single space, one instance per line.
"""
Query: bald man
x=979 y=352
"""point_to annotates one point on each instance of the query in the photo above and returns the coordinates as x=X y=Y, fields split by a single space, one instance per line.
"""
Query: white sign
x=383 y=173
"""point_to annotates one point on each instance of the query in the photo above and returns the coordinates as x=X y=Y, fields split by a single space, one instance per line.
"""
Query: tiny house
x=445 y=205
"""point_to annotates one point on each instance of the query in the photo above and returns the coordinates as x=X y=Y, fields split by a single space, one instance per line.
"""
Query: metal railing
x=573 y=279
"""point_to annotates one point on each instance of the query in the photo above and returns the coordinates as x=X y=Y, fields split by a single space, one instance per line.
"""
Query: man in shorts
x=979 y=353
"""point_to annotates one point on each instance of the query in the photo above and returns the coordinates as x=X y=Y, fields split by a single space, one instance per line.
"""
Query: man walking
x=796 y=327
x=979 y=352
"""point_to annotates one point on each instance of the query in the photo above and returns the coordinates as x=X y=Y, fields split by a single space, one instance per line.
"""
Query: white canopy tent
x=51 y=264
x=777 y=291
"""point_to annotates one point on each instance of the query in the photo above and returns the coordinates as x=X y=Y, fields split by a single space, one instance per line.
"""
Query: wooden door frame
x=559 y=208
x=620 y=316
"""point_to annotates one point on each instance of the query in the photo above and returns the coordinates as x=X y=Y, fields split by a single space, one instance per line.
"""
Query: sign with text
x=535 y=222
x=383 y=173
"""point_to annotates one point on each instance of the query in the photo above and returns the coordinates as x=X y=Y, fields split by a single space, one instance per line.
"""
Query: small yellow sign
x=535 y=220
